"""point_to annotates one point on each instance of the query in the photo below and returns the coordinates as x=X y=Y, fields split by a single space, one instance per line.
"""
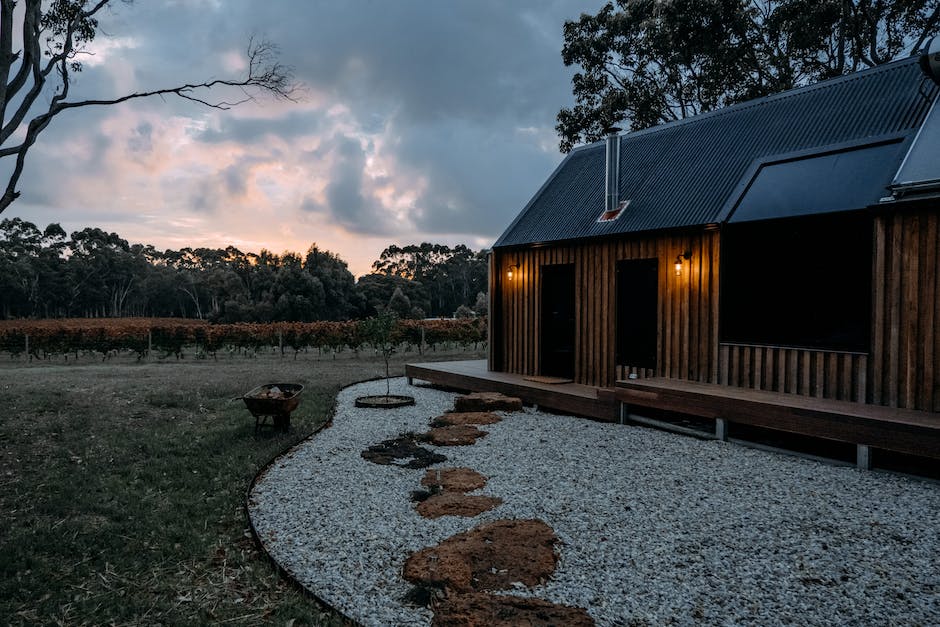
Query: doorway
x=558 y=327
x=637 y=315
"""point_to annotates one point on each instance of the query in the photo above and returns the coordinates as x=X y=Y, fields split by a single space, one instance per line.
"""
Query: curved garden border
x=283 y=572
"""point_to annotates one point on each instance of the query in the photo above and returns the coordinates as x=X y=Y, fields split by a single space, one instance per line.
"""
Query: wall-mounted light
x=511 y=271
x=685 y=255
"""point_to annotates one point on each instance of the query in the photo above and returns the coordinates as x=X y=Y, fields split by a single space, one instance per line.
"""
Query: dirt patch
x=466 y=418
x=405 y=447
x=489 y=557
x=453 y=480
x=487 y=401
x=456 y=504
x=471 y=610
x=456 y=435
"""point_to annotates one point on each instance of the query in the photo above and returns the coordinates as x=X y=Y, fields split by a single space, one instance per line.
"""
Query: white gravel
x=656 y=528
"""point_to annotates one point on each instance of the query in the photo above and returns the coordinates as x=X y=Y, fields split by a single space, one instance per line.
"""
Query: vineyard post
x=421 y=344
x=28 y=357
x=149 y=345
x=280 y=342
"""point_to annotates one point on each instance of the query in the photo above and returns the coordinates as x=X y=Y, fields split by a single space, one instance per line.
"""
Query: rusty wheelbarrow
x=276 y=400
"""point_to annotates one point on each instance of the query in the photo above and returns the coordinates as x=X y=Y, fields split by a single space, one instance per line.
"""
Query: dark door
x=637 y=293
x=558 y=321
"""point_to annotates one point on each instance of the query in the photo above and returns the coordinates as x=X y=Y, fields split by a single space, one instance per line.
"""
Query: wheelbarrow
x=274 y=400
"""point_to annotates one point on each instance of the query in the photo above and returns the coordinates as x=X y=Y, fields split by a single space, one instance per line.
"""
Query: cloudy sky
x=425 y=120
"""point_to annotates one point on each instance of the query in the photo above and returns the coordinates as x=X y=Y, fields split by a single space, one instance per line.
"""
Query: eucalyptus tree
x=645 y=62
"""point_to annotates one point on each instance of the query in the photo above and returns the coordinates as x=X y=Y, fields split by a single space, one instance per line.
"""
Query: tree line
x=46 y=273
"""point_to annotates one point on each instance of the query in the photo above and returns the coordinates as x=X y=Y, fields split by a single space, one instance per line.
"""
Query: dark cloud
x=347 y=202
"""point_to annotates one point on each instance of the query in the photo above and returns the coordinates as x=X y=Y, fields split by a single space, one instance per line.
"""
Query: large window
x=801 y=282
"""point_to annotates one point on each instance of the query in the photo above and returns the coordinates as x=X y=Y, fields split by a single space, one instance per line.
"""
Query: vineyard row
x=145 y=336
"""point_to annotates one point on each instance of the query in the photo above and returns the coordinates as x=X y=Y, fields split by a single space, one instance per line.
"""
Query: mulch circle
x=385 y=401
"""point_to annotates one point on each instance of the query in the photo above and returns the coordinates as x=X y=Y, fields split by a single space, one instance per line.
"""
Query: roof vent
x=930 y=59
x=610 y=215
x=612 y=182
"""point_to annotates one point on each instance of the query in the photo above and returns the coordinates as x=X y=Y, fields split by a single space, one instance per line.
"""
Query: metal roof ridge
x=756 y=102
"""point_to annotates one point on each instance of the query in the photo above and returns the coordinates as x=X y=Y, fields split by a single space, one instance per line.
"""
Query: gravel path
x=656 y=528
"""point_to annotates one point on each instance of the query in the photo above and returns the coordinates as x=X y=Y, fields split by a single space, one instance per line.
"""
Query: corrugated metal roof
x=683 y=173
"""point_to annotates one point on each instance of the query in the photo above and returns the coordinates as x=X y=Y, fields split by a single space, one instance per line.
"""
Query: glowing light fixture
x=511 y=271
x=687 y=255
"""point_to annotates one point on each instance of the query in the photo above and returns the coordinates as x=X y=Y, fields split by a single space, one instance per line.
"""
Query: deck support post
x=624 y=412
x=411 y=380
x=862 y=457
x=721 y=429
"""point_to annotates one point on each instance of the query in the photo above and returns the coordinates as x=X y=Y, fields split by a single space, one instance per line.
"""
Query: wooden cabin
x=787 y=244
x=771 y=265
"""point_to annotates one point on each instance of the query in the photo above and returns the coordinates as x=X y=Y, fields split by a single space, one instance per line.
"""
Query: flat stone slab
x=506 y=611
x=456 y=435
x=402 y=451
x=456 y=504
x=487 y=401
x=493 y=556
x=466 y=418
x=453 y=479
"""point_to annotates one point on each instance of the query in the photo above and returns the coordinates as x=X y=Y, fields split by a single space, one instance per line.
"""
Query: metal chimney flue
x=930 y=59
x=612 y=178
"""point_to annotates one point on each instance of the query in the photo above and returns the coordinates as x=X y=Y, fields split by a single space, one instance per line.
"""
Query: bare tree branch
x=68 y=25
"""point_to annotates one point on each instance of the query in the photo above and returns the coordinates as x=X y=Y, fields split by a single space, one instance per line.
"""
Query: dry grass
x=122 y=487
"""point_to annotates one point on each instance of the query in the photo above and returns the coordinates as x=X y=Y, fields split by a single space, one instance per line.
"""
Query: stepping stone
x=466 y=418
x=456 y=504
x=506 y=611
x=457 y=435
x=487 y=401
x=493 y=556
x=389 y=452
x=453 y=480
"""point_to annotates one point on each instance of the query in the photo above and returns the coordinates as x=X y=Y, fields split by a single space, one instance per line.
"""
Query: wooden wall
x=902 y=369
x=688 y=324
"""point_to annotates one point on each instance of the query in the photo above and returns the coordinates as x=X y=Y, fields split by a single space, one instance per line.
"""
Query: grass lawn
x=122 y=487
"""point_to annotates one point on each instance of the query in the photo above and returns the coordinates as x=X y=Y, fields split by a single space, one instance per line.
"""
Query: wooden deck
x=865 y=426
x=473 y=376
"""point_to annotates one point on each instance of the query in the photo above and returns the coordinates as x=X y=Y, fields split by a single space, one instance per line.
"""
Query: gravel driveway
x=655 y=528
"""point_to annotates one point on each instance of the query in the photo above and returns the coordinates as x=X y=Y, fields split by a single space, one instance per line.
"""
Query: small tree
x=399 y=303
x=463 y=312
x=482 y=304
x=380 y=332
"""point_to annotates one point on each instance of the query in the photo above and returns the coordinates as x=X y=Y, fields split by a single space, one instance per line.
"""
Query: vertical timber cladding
x=688 y=306
x=904 y=369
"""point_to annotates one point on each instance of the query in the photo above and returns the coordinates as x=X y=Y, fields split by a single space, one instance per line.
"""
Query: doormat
x=552 y=380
